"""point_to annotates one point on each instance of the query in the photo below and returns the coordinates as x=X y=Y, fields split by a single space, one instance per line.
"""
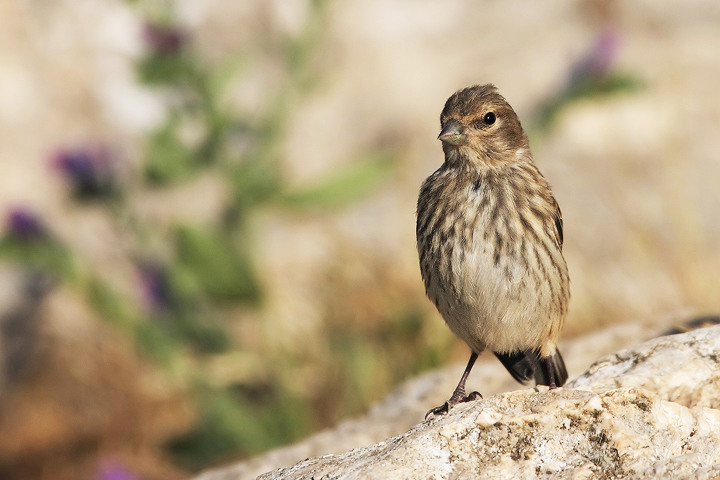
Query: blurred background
x=208 y=244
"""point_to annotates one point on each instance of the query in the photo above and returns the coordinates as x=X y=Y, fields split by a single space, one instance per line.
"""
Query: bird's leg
x=459 y=392
x=549 y=366
x=458 y=395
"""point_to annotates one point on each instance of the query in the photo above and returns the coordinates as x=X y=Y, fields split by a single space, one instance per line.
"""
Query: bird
x=489 y=240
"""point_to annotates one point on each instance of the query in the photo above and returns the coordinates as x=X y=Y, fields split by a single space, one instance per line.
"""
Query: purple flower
x=113 y=471
x=591 y=75
x=23 y=224
x=91 y=170
x=597 y=61
x=156 y=287
x=163 y=39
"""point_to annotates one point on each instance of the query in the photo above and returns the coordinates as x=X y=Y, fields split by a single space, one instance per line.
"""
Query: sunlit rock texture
x=645 y=412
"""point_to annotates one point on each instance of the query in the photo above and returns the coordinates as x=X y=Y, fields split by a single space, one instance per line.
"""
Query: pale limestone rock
x=403 y=409
x=647 y=412
x=685 y=372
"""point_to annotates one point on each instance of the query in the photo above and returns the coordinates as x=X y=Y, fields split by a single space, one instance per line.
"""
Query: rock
x=403 y=409
x=646 y=412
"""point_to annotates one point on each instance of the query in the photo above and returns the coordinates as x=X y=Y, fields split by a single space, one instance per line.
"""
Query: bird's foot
x=454 y=400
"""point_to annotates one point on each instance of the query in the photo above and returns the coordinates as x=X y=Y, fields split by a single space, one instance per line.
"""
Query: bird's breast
x=490 y=271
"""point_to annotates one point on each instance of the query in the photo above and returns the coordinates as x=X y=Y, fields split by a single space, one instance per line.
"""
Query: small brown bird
x=489 y=237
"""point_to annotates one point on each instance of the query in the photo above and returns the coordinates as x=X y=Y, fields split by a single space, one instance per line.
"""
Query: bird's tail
x=518 y=364
x=526 y=365
x=558 y=366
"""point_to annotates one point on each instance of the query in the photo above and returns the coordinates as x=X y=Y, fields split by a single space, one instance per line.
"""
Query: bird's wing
x=558 y=224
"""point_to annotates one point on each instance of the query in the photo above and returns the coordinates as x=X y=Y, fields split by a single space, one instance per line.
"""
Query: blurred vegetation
x=592 y=76
x=206 y=272
x=192 y=276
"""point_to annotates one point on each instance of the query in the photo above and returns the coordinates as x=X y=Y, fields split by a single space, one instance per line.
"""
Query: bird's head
x=480 y=126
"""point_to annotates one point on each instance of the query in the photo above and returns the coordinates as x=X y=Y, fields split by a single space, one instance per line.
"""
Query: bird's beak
x=453 y=133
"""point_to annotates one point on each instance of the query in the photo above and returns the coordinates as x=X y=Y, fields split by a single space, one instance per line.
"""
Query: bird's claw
x=445 y=407
x=472 y=396
x=441 y=410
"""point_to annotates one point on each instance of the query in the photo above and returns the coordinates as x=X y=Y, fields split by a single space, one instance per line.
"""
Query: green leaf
x=155 y=342
x=159 y=68
x=108 y=304
x=219 y=270
x=221 y=77
x=150 y=337
x=590 y=88
x=254 y=182
x=226 y=427
x=204 y=337
x=168 y=158
x=609 y=84
x=232 y=425
x=43 y=254
x=344 y=186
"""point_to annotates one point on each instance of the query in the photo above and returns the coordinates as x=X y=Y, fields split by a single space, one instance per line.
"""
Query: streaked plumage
x=489 y=237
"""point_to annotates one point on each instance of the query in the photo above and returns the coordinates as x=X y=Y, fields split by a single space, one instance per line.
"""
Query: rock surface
x=646 y=412
x=406 y=406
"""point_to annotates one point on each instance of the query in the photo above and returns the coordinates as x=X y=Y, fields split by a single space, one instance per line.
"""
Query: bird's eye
x=489 y=118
